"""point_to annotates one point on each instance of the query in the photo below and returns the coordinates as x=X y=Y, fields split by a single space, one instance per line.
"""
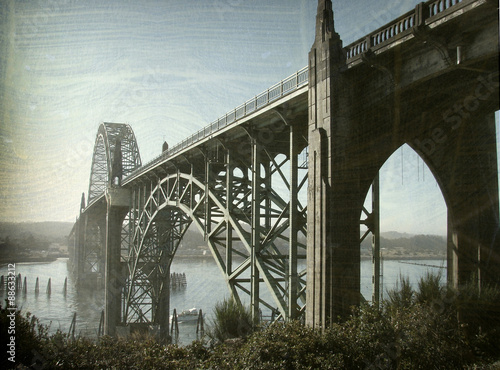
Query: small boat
x=190 y=315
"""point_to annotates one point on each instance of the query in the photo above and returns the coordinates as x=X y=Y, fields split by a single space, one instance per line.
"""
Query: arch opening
x=413 y=225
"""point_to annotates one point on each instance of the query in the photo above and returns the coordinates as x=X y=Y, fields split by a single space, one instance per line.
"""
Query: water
x=205 y=287
x=56 y=309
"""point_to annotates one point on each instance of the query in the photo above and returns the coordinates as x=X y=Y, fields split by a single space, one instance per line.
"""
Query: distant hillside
x=397 y=245
x=33 y=241
x=40 y=235
x=396 y=235
x=46 y=230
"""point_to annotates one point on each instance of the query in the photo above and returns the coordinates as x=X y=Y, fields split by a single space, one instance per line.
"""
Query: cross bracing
x=102 y=159
x=240 y=181
x=241 y=205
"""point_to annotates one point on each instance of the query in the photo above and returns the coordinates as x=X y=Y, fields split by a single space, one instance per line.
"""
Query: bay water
x=205 y=287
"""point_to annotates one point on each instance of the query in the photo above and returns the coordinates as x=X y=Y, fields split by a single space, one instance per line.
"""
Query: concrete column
x=164 y=306
x=334 y=202
x=81 y=226
x=376 y=260
x=474 y=243
x=118 y=204
x=167 y=246
x=229 y=205
x=79 y=255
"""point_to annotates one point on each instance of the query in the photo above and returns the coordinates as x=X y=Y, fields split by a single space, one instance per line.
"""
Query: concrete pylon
x=78 y=257
x=333 y=267
x=358 y=117
x=118 y=205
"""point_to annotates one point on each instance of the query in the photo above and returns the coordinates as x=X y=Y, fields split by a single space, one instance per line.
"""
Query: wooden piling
x=100 y=331
x=175 y=326
x=48 y=287
x=199 y=324
x=65 y=288
x=72 y=327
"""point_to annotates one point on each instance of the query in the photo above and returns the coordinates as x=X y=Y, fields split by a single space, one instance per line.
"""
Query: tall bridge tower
x=420 y=80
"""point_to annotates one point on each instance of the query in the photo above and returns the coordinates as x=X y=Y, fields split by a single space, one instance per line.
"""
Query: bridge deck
x=401 y=30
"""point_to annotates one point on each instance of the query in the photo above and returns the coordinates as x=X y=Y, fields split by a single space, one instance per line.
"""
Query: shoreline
x=406 y=258
x=17 y=259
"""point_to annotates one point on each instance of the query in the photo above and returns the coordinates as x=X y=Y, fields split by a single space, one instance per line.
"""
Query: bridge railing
x=399 y=27
x=282 y=88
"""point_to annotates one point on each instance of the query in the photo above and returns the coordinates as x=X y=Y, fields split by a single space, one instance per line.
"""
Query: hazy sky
x=168 y=68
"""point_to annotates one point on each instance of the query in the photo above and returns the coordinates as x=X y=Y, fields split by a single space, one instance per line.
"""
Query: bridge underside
x=242 y=183
x=449 y=120
x=243 y=195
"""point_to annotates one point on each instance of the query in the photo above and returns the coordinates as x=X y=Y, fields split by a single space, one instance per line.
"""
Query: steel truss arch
x=102 y=158
x=253 y=241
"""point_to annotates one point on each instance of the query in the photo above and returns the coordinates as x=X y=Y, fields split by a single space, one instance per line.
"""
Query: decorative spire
x=116 y=167
x=326 y=38
x=82 y=204
x=324 y=21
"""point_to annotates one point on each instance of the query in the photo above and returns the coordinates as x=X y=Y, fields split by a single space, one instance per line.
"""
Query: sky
x=167 y=68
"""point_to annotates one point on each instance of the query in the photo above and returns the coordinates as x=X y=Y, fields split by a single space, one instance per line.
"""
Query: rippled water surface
x=205 y=287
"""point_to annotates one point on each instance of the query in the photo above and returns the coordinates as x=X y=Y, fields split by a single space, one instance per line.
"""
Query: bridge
x=277 y=185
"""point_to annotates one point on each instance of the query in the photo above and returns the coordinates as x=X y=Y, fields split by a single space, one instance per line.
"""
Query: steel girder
x=155 y=238
x=245 y=198
x=89 y=254
x=102 y=159
x=93 y=258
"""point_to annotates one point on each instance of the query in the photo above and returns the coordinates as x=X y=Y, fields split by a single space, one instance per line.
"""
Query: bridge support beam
x=78 y=258
x=255 y=233
x=333 y=270
x=473 y=217
x=293 y=278
x=118 y=205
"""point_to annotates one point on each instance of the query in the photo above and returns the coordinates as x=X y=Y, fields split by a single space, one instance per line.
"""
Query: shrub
x=479 y=313
x=279 y=346
x=402 y=296
x=132 y=353
x=433 y=327
x=30 y=335
x=365 y=340
x=232 y=320
x=429 y=288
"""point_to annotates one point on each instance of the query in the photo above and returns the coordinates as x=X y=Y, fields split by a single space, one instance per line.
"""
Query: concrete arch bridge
x=277 y=185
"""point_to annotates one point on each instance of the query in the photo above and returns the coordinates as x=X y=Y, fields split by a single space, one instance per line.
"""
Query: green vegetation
x=232 y=320
x=434 y=327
